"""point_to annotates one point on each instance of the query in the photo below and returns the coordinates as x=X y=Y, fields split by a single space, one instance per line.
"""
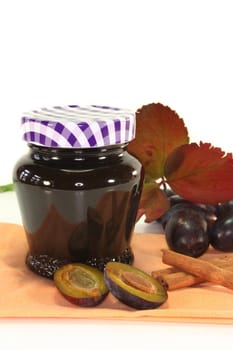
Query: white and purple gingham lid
x=78 y=126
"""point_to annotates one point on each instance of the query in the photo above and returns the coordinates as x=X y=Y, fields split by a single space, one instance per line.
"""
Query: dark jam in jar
x=78 y=203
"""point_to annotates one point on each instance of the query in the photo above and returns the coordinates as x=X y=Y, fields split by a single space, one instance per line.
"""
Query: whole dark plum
x=185 y=205
x=186 y=232
x=221 y=234
x=209 y=210
x=225 y=208
x=134 y=287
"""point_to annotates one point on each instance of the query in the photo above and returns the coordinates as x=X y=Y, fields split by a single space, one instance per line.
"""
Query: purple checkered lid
x=78 y=126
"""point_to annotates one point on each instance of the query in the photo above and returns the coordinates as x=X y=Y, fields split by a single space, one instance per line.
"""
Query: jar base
x=46 y=266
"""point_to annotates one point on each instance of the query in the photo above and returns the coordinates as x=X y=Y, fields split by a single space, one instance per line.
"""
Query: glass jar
x=78 y=188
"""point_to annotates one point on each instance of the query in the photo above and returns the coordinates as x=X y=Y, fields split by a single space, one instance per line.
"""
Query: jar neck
x=45 y=154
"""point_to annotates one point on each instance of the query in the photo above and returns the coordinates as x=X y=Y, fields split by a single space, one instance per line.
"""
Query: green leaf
x=5 y=188
x=158 y=131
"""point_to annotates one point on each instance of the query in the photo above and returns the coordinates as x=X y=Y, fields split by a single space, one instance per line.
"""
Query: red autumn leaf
x=153 y=203
x=200 y=173
x=159 y=130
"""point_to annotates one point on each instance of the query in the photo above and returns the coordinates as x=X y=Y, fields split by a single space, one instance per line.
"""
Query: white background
x=123 y=53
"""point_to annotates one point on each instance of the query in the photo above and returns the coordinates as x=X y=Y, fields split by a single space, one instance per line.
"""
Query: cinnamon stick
x=203 y=269
x=223 y=260
x=178 y=280
x=172 y=278
x=163 y=272
x=181 y=279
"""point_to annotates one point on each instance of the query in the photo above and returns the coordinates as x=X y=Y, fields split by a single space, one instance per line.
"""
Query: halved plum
x=81 y=284
x=133 y=286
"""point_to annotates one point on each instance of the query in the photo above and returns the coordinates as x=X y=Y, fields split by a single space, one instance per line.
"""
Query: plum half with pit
x=134 y=287
x=81 y=284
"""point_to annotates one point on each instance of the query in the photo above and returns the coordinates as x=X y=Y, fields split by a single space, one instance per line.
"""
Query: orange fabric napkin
x=24 y=294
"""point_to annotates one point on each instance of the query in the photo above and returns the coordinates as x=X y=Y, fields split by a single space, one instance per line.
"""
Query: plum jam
x=78 y=188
